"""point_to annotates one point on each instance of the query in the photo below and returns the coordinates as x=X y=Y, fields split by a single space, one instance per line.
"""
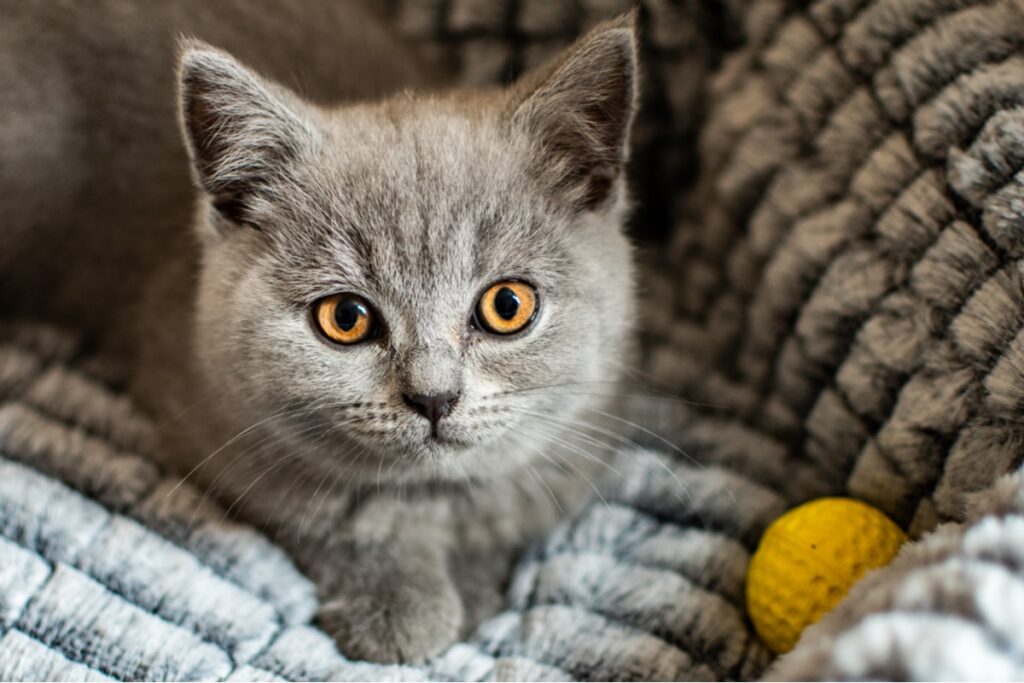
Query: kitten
x=391 y=343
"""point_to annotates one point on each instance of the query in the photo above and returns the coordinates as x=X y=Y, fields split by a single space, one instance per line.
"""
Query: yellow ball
x=807 y=561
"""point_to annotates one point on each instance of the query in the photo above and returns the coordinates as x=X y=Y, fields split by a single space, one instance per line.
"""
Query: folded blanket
x=949 y=608
x=110 y=570
x=846 y=282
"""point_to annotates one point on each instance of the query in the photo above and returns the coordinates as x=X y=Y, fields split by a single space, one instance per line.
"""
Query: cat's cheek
x=504 y=365
x=363 y=369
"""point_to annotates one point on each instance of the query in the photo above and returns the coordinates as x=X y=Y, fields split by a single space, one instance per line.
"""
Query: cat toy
x=807 y=561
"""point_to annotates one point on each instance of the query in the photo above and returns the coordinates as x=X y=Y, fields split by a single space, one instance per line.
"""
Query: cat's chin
x=434 y=450
x=414 y=443
x=442 y=458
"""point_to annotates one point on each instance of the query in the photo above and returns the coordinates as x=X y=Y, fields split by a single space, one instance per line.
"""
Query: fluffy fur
x=417 y=203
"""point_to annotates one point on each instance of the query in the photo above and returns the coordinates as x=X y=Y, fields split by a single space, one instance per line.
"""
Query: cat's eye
x=345 y=318
x=506 y=307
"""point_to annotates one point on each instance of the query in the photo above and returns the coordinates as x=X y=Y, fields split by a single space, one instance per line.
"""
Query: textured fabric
x=949 y=608
x=851 y=287
x=840 y=311
x=109 y=570
x=845 y=287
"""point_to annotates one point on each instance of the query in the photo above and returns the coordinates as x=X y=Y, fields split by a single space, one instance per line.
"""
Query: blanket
x=108 y=569
x=838 y=311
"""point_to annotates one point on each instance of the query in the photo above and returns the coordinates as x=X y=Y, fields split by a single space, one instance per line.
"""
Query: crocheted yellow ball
x=807 y=561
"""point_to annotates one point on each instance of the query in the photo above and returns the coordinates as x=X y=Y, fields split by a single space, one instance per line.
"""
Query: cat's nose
x=432 y=406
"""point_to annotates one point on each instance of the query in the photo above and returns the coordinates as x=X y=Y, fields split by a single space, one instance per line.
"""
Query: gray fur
x=417 y=203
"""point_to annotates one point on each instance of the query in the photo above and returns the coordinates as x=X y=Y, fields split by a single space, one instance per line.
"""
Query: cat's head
x=427 y=286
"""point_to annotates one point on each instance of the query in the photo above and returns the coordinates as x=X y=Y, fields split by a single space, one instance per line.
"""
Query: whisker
x=647 y=392
x=309 y=502
x=240 y=435
x=570 y=423
x=538 y=478
x=645 y=430
x=589 y=456
x=638 y=449
x=260 y=450
x=582 y=475
x=334 y=482
x=289 y=458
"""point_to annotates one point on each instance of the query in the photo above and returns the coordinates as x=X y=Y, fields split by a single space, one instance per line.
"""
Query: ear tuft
x=240 y=130
x=580 y=108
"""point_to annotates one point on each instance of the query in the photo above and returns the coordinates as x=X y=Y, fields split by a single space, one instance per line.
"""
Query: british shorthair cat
x=377 y=319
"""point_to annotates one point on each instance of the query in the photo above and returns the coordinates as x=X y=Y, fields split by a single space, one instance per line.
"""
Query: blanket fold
x=108 y=569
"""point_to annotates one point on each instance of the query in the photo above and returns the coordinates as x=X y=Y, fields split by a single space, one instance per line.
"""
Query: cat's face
x=433 y=287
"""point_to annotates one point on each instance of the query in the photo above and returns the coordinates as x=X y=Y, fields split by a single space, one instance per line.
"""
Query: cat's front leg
x=393 y=602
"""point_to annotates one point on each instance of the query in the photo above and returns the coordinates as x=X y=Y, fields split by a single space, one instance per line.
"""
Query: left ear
x=579 y=110
x=241 y=131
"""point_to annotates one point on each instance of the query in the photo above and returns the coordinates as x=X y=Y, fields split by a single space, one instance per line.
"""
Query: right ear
x=579 y=109
x=241 y=131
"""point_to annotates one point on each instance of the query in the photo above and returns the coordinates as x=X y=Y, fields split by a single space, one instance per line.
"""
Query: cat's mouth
x=450 y=442
x=404 y=442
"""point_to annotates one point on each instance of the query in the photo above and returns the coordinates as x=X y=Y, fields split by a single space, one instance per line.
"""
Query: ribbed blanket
x=840 y=311
x=110 y=570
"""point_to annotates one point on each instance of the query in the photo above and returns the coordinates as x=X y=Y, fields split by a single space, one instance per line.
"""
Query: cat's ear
x=579 y=108
x=241 y=130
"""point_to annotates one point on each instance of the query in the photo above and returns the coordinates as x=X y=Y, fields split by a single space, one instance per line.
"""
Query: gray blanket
x=841 y=307
x=108 y=569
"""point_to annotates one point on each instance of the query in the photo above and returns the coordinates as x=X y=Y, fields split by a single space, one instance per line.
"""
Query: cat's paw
x=393 y=614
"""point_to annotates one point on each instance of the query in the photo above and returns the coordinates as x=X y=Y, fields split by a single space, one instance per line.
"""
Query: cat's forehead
x=432 y=198
x=405 y=153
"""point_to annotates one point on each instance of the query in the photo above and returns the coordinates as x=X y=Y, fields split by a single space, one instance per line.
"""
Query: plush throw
x=839 y=312
x=108 y=569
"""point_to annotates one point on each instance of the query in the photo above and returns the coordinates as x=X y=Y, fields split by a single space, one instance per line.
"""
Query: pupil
x=348 y=313
x=506 y=303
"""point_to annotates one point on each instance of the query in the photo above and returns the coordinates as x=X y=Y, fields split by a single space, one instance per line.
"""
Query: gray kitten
x=392 y=341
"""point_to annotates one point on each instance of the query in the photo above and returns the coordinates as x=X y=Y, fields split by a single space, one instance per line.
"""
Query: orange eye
x=506 y=307
x=345 y=318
